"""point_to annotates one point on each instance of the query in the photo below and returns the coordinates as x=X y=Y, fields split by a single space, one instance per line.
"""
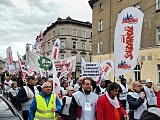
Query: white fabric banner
x=59 y=63
x=90 y=69
x=55 y=49
x=10 y=60
x=127 y=40
x=33 y=61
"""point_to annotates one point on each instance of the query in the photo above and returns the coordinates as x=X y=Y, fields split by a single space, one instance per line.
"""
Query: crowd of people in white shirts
x=87 y=100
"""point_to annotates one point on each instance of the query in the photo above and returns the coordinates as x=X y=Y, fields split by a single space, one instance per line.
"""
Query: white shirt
x=7 y=85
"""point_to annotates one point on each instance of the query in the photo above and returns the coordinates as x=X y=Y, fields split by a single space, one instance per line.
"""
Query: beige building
x=75 y=37
x=105 y=14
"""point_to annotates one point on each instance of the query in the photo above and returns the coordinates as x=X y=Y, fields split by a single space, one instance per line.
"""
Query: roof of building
x=91 y=2
x=68 y=20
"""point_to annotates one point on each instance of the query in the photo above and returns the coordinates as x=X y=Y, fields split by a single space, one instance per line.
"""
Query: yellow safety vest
x=43 y=111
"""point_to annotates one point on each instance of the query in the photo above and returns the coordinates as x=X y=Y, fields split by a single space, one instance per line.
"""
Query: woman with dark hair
x=109 y=100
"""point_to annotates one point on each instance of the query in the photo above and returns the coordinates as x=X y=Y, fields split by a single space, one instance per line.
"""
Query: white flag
x=55 y=49
x=57 y=82
x=127 y=40
x=64 y=72
x=107 y=66
x=10 y=60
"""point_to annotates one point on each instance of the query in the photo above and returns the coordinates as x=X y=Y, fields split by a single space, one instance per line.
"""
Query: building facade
x=75 y=37
x=105 y=14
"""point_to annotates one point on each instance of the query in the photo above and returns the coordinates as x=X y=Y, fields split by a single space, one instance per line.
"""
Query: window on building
x=158 y=4
x=62 y=31
x=90 y=47
x=48 y=47
x=62 y=45
x=74 y=45
x=84 y=34
x=53 y=33
x=100 y=25
x=150 y=57
x=100 y=7
x=142 y=58
x=62 y=57
x=83 y=46
x=158 y=35
x=99 y=47
x=137 y=72
x=74 y=32
x=158 y=70
x=91 y=34
x=83 y=56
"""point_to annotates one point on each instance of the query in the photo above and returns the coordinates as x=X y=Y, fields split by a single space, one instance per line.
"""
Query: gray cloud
x=20 y=23
x=7 y=3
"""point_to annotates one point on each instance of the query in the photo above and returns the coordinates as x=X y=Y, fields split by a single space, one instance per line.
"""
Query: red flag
x=40 y=36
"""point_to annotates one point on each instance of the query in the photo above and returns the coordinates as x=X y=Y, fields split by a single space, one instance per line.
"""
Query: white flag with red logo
x=64 y=72
x=55 y=49
x=37 y=44
x=57 y=86
x=107 y=66
x=127 y=40
x=21 y=64
x=10 y=60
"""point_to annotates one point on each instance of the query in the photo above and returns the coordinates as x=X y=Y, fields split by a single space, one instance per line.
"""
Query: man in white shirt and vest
x=123 y=90
x=150 y=95
x=84 y=99
x=26 y=94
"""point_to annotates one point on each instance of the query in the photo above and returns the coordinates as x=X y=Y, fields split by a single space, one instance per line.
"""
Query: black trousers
x=123 y=102
x=25 y=114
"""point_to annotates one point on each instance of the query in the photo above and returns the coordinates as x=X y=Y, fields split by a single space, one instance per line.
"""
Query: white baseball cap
x=149 y=80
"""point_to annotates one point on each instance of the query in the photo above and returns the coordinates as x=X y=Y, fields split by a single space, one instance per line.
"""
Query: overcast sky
x=22 y=20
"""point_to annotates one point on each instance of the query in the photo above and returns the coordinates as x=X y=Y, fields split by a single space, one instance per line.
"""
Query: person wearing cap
x=44 y=106
x=150 y=95
x=123 y=90
x=101 y=88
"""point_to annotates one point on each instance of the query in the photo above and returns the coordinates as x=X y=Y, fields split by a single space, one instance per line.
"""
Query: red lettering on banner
x=55 y=53
x=62 y=64
x=106 y=69
x=128 y=39
x=10 y=58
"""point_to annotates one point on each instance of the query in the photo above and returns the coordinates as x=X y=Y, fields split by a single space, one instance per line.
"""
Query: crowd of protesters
x=83 y=100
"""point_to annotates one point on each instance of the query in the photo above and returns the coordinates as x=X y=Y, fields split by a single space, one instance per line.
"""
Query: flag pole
x=53 y=91
x=54 y=105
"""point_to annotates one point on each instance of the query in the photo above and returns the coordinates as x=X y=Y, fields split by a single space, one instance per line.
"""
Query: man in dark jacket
x=136 y=101
x=152 y=113
x=26 y=95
